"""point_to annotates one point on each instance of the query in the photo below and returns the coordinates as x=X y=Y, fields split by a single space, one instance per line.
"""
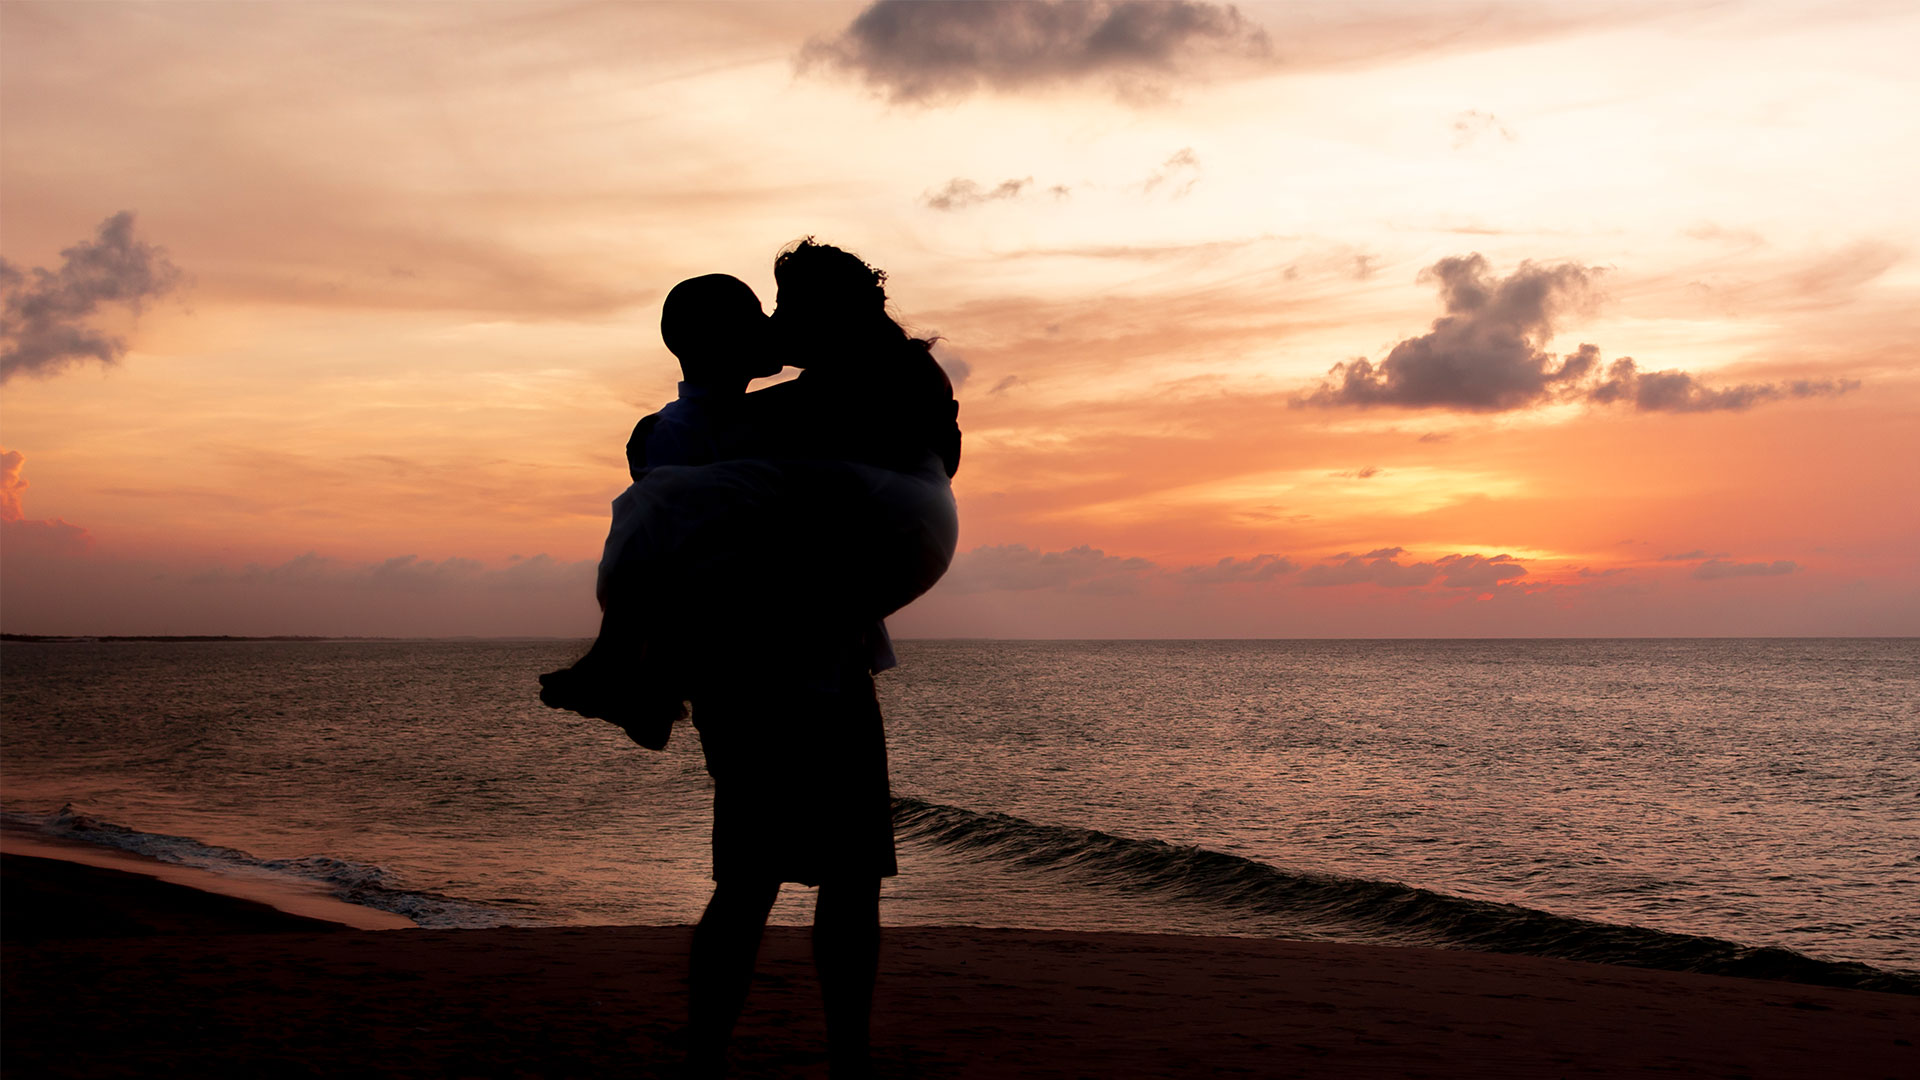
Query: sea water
x=1746 y=806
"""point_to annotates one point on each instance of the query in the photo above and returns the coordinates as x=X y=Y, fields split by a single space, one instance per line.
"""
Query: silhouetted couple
x=748 y=568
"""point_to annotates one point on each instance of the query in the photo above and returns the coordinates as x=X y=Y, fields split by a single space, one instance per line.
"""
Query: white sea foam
x=356 y=883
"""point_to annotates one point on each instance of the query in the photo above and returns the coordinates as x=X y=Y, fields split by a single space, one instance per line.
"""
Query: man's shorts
x=799 y=784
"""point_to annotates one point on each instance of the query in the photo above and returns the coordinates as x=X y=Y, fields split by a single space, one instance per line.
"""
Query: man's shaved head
x=715 y=325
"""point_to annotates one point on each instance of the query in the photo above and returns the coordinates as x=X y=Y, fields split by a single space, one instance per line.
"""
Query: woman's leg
x=625 y=679
x=846 y=953
x=725 y=945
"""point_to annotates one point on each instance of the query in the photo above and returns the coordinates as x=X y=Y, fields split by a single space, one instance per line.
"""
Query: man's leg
x=725 y=945
x=846 y=953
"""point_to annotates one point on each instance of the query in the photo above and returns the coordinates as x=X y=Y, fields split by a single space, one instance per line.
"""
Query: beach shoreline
x=303 y=998
x=310 y=902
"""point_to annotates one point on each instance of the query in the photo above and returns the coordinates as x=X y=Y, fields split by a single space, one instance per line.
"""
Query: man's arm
x=885 y=426
x=637 y=444
x=764 y=424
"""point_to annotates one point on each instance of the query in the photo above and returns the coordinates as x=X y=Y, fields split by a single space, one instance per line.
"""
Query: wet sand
x=136 y=899
x=110 y=973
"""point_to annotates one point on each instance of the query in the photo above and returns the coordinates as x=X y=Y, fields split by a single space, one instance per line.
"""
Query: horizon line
x=55 y=639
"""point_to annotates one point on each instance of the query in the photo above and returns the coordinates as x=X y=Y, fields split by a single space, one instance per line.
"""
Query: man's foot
x=849 y=1066
x=703 y=1066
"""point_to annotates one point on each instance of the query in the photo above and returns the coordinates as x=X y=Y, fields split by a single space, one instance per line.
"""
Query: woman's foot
x=590 y=690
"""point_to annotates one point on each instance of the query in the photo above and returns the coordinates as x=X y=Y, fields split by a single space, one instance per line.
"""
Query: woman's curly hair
x=831 y=275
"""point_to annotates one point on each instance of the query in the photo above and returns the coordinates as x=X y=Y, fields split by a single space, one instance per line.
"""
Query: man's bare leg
x=725 y=945
x=846 y=954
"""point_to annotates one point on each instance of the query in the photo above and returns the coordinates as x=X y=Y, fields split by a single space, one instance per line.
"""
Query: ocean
x=1735 y=806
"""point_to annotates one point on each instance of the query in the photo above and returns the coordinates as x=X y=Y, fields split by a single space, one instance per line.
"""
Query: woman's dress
x=833 y=509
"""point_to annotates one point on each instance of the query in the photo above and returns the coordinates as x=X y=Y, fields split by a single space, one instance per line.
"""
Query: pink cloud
x=22 y=537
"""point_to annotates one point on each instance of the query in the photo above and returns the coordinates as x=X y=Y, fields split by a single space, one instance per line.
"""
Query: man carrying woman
x=748 y=568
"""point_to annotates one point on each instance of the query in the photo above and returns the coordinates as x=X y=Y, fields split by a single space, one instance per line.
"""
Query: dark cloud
x=1436 y=436
x=1367 y=473
x=1230 y=570
x=1477 y=571
x=1005 y=385
x=961 y=193
x=1678 y=391
x=926 y=50
x=1715 y=569
x=45 y=321
x=1375 y=567
x=1485 y=354
x=1383 y=567
x=20 y=536
x=1488 y=354
x=1019 y=568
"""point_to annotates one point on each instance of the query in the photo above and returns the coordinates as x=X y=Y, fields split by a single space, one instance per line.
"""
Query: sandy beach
x=114 y=973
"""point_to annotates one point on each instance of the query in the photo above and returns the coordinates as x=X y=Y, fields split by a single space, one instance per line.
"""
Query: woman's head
x=830 y=301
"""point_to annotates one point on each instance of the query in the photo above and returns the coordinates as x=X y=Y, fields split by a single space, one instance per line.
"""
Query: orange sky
x=364 y=357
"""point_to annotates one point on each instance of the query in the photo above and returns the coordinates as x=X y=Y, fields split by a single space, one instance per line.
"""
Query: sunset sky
x=1268 y=320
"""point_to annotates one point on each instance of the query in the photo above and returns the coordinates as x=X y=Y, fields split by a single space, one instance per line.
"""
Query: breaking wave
x=1357 y=909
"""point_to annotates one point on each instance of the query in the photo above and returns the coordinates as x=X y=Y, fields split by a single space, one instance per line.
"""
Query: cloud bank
x=1378 y=567
x=928 y=50
x=1233 y=571
x=46 y=315
x=20 y=536
x=1488 y=354
x=1087 y=569
x=408 y=574
x=1017 y=567
x=1716 y=569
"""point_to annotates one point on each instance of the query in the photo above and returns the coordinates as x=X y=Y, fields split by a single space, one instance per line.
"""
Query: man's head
x=715 y=325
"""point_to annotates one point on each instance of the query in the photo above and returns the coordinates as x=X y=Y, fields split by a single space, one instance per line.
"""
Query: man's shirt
x=687 y=431
x=682 y=433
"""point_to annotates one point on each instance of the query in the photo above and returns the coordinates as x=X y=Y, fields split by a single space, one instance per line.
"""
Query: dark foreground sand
x=113 y=974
